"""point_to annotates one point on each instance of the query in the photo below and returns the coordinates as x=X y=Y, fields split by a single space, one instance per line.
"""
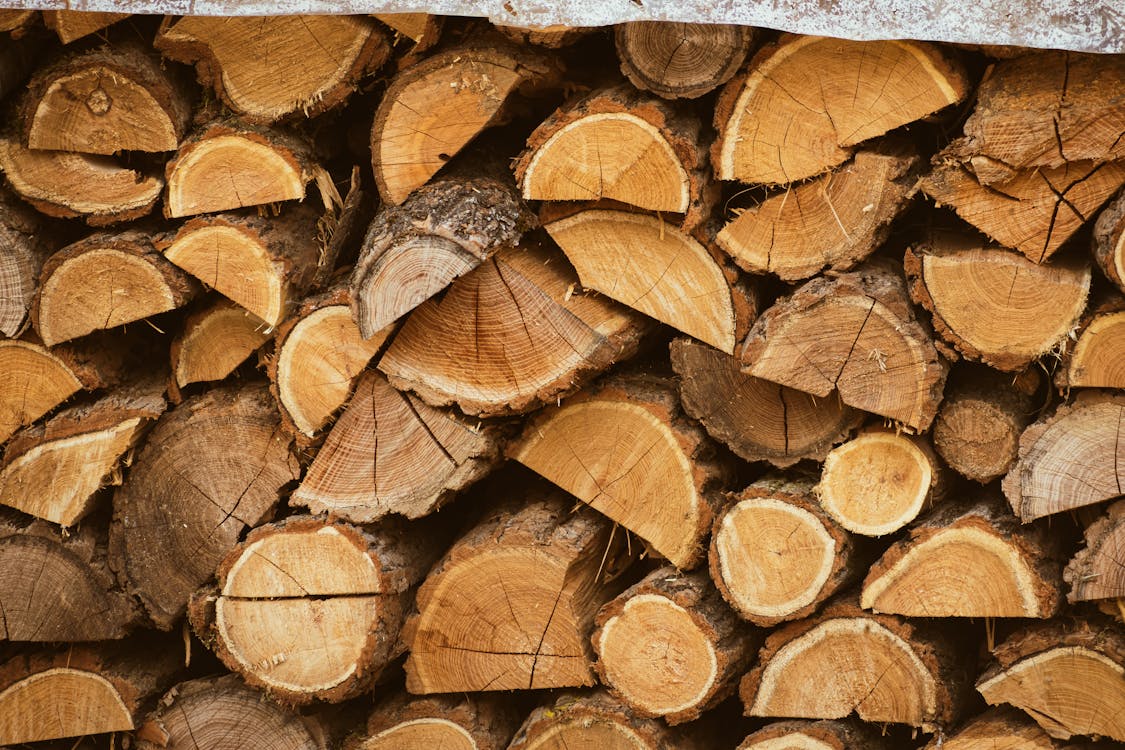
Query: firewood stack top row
x=412 y=382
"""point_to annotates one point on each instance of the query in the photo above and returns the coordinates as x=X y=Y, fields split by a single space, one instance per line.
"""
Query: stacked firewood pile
x=408 y=382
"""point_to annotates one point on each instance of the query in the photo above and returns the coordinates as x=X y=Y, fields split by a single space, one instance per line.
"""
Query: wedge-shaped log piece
x=627 y=450
x=884 y=669
x=1068 y=677
x=806 y=101
x=1096 y=359
x=268 y=68
x=1073 y=458
x=455 y=722
x=23 y=248
x=658 y=270
x=826 y=734
x=227 y=165
x=311 y=609
x=95 y=188
x=855 y=333
x=222 y=713
x=78 y=691
x=1109 y=241
x=544 y=566
x=442 y=231
x=775 y=555
x=434 y=108
x=72 y=25
x=1042 y=111
x=622 y=145
x=1097 y=571
x=209 y=469
x=318 y=355
x=757 y=419
x=265 y=264
x=467 y=348
x=670 y=647
x=56 y=587
x=994 y=305
x=879 y=481
x=1036 y=211
x=390 y=452
x=423 y=29
x=681 y=60
x=52 y=470
x=974 y=562
x=105 y=281
x=215 y=340
x=833 y=221
x=103 y=101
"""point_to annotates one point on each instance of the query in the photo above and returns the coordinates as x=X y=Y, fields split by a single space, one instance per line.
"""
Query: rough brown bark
x=1108 y=242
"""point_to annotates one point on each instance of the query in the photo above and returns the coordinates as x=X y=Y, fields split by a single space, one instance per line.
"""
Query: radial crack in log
x=215 y=340
x=1097 y=571
x=681 y=60
x=451 y=722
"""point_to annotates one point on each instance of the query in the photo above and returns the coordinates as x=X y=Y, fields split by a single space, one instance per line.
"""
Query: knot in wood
x=98 y=101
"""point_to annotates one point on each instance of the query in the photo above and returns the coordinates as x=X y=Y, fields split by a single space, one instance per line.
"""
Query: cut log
x=681 y=60
x=311 y=609
x=996 y=729
x=72 y=25
x=790 y=117
x=15 y=22
x=658 y=270
x=832 y=221
x=1036 y=211
x=883 y=668
x=978 y=429
x=512 y=604
x=81 y=690
x=879 y=481
x=1068 y=677
x=626 y=449
x=318 y=355
x=105 y=281
x=265 y=264
x=1071 y=459
x=272 y=67
x=209 y=469
x=775 y=555
x=432 y=109
x=814 y=735
x=994 y=305
x=465 y=722
x=423 y=29
x=95 y=188
x=53 y=470
x=1109 y=241
x=757 y=419
x=1096 y=358
x=669 y=647
x=390 y=452
x=619 y=144
x=215 y=340
x=1097 y=571
x=555 y=36
x=23 y=248
x=56 y=587
x=442 y=231
x=968 y=562
x=466 y=349
x=855 y=333
x=105 y=100
x=221 y=713
x=1043 y=110
x=228 y=165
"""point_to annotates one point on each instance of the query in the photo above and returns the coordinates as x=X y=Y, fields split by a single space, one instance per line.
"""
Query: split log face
x=23 y=248
x=681 y=60
x=419 y=27
x=463 y=349
x=390 y=452
x=758 y=420
x=775 y=555
x=269 y=68
x=808 y=100
x=855 y=333
x=71 y=25
x=215 y=340
x=832 y=221
x=655 y=269
x=1098 y=569
x=1071 y=459
x=209 y=469
x=1097 y=358
x=813 y=735
x=879 y=481
x=996 y=729
x=975 y=563
x=994 y=305
x=67 y=185
x=105 y=281
x=1109 y=241
x=466 y=722
x=1070 y=678
x=104 y=101
x=627 y=451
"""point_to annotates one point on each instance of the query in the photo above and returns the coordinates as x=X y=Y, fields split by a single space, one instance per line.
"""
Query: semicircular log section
x=61 y=702
x=1097 y=358
x=35 y=381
